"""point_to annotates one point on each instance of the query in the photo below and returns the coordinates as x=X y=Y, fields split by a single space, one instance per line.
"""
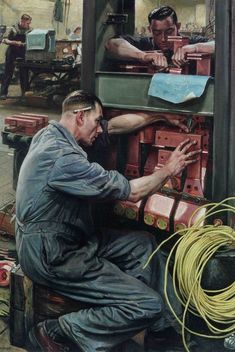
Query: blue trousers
x=108 y=273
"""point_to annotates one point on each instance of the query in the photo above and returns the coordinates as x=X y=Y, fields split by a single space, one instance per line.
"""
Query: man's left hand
x=179 y=58
x=179 y=122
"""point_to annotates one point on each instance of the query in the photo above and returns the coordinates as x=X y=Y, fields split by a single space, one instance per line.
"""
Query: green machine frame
x=105 y=18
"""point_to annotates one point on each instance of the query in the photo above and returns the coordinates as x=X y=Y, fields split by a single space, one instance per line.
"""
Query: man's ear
x=178 y=25
x=80 y=118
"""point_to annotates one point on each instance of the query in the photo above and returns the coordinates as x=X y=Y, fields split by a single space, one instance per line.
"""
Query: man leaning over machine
x=163 y=22
x=59 y=247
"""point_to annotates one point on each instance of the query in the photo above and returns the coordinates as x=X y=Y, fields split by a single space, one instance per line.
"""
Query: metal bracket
x=116 y=18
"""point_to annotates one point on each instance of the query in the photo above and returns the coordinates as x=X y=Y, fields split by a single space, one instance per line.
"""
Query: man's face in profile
x=161 y=29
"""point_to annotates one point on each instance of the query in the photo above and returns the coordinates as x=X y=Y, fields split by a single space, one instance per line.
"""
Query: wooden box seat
x=31 y=303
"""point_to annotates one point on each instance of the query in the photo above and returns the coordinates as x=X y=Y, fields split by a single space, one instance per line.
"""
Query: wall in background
x=191 y=13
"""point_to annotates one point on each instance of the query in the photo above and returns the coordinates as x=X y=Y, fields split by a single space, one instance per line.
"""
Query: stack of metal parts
x=8 y=255
x=7 y=233
x=169 y=209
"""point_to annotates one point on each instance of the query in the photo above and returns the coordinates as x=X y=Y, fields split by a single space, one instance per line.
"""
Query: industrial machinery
x=210 y=119
x=40 y=45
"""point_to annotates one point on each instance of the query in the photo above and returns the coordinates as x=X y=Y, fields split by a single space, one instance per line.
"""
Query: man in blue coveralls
x=59 y=247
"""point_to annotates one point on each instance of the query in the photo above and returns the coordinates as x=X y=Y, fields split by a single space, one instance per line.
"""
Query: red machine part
x=128 y=209
x=44 y=117
x=183 y=213
x=158 y=210
x=132 y=169
x=22 y=126
x=173 y=139
x=145 y=136
x=203 y=60
x=26 y=124
x=203 y=63
x=39 y=120
x=178 y=41
x=5 y=269
x=151 y=162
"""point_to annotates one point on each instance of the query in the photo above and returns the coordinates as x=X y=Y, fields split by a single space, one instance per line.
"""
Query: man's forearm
x=147 y=185
x=207 y=47
x=12 y=42
x=128 y=123
x=123 y=49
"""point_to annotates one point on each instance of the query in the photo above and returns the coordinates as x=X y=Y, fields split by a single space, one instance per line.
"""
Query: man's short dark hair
x=161 y=13
x=26 y=17
x=80 y=99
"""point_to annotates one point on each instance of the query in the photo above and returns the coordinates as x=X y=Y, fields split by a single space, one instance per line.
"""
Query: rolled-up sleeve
x=75 y=175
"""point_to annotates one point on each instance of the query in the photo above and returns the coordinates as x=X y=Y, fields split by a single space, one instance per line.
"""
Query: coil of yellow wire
x=192 y=251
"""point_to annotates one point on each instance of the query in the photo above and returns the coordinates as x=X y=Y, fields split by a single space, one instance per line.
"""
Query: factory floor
x=8 y=107
x=7 y=194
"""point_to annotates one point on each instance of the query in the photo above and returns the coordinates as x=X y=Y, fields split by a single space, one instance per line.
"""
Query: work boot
x=164 y=340
x=48 y=336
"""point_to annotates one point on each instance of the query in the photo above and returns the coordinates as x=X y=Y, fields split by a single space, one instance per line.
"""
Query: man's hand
x=147 y=185
x=178 y=122
x=13 y=42
x=179 y=58
x=182 y=157
x=122 y=49
x=18 y=43
x=155 y=58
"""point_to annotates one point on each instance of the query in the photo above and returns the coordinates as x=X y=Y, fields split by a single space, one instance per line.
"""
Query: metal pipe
x=221 y=100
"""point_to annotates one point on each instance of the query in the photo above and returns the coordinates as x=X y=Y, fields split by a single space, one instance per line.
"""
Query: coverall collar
x=68 y=136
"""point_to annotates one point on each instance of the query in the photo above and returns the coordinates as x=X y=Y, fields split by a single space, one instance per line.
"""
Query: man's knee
x=155 y=306
x=145 y=243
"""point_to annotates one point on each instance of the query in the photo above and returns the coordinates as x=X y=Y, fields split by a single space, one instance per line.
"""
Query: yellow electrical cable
x=192 y=251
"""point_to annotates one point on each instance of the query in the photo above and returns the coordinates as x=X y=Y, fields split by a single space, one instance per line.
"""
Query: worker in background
x=76 y=34
x=163 y=22
x=76 y=46
x=59 y=246
x=16 y=42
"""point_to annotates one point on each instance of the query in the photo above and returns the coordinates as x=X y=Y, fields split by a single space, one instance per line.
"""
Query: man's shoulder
x=12 y=30
x=197 y=38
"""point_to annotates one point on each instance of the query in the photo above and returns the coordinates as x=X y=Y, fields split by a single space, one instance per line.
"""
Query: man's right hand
x=18 y=43
x=182 y=157
x=155 y=58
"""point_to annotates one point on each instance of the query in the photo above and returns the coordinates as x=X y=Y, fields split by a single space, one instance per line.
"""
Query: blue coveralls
x=59 y=247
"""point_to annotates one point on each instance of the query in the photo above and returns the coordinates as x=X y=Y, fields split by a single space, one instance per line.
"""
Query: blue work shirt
x=53 y=200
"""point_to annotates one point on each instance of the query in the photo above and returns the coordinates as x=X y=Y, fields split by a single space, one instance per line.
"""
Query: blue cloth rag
x=176 y=88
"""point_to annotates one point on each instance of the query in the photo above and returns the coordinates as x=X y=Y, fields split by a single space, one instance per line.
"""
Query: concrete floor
x=7 y=193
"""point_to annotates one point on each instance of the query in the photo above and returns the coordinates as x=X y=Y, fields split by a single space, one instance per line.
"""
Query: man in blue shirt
x=59 y=246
